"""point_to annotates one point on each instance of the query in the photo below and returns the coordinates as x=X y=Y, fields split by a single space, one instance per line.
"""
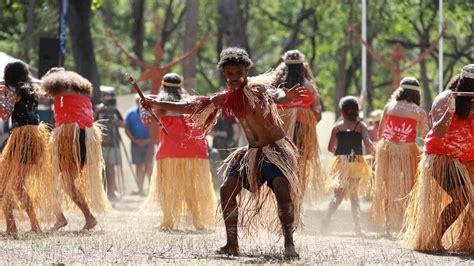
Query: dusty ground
x=125 y=236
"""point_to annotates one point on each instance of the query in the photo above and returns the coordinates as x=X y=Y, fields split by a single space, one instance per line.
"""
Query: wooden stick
x=140 y=93
x=463 y=93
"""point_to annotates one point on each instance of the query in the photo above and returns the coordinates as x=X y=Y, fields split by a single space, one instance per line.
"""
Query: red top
x=457 y=143
x=182 y=140
x=400 y=129
x=72 y=109
x=305 y=102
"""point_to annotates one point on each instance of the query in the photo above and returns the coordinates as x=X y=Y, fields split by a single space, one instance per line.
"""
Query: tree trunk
x=424 y=80
x=341 y=77
x=296 y=28
x=425 y=84
x=233 y=24
x=189 y=65
x=370 y=83
x=81 y=41
x=30 y=18
x=219 y=47
x=138 y=7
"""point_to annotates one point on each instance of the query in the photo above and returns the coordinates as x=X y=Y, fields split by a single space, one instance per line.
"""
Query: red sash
x=72 y=109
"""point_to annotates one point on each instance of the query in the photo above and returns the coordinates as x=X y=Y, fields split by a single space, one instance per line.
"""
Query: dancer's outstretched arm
x=183 y=107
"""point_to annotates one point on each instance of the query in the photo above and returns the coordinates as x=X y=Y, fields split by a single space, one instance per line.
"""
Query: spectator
x=112 y=120
x=374 y=121
x=226 y=136
x=142 y=149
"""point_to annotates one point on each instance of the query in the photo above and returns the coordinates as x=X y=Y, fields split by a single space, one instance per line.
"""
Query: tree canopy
x=268 y=27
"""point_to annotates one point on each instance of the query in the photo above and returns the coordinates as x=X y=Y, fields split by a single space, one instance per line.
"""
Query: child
x=270 y=156
x=348 y=170
x=24 y=173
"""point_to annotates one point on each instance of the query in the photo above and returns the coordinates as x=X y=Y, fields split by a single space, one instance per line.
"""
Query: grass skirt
x=258 y=207
x=353 y=176
x=25 y=163
x=395 y=171
x=66 y=165
x=182 y=187
x=303 y=133
x=421 y=230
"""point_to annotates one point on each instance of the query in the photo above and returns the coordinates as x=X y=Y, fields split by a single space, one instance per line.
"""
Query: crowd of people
x=423 y=196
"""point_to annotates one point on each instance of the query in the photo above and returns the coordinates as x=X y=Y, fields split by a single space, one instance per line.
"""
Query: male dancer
x=270 y=156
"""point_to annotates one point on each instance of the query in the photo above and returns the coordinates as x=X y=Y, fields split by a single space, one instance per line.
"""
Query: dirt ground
x=125 y=236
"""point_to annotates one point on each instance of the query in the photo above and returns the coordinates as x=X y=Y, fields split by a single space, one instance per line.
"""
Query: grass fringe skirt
x=25 y=163
x=258 y=206
x=66 y=165
x=183 y=188
x=421 y=230
x=352 y=176
x=395 y=172
x=303 y=133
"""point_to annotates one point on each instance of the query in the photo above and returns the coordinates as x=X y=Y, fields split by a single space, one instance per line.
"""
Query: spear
x=142 y=97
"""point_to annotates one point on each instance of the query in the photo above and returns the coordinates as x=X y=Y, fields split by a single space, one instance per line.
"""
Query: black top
x=349 y=142
x=25 y=111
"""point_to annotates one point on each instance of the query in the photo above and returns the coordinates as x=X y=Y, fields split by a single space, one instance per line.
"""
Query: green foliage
x=96 y=4
x=268 y=27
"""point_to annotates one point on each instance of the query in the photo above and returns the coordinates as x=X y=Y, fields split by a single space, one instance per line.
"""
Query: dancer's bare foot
x=60 y=223
x=199 y=227
x=11 y=228
x=290 y=253
x=358 y=232
x=12 y=232
x=35 y=229
x=231 y=250
x=165 y=226
x=435 y=245
x=91 y=222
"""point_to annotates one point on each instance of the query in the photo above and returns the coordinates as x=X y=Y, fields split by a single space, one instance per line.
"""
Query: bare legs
x=355 y=209
x=334 y=204
x=79 y=199
x=450 y=213
x=24 y=198
x=229 y=191
x=281 y=188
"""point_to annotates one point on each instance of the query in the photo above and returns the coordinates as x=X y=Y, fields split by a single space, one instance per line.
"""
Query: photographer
x=110 y=117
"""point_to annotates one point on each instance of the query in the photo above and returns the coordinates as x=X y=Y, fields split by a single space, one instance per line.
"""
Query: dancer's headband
x=293 y=57
x=169 y=84
x=410 y=87
x=467 y=74
x=293 y=61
